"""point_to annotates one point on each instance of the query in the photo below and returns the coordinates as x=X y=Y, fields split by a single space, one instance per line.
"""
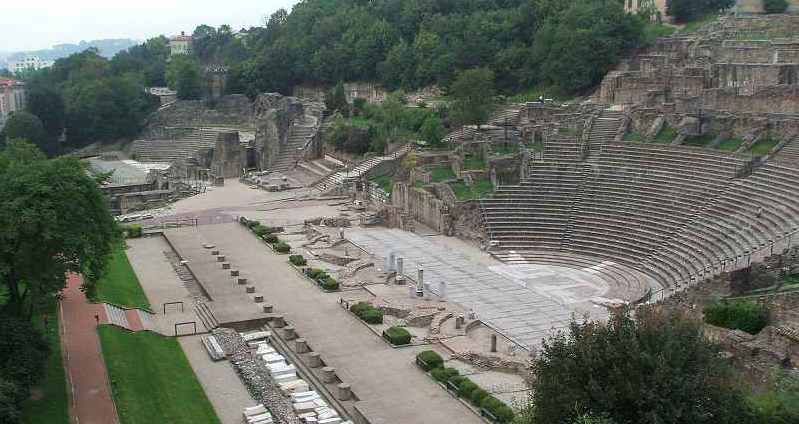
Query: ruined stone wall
x=232 y=111
x=422 y=206
x=228 y=157
x=748 y=76
x=781 y=99
x=273 y=116
x=372 y=92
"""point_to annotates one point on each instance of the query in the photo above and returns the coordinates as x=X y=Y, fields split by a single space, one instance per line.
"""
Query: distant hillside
x=108 y=48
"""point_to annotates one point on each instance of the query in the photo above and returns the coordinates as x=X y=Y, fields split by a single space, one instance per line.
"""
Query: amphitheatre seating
x=291 y=152
x=183 y=146
x=676 y=213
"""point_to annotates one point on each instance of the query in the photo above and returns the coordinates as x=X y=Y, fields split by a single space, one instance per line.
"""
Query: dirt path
x=91 y=396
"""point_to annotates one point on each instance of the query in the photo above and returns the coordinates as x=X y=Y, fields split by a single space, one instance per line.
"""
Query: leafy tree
x=473 y=95
x=687 y=10
x=658 y=368
x=53 y=220
x=9 y=402
x=183 y=75
x=775 y=6
x=336 y=100
x=48 y=105
x=27 y=126
x=432 y=131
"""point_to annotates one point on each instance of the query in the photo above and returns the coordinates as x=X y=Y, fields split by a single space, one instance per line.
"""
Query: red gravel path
x=91 y=396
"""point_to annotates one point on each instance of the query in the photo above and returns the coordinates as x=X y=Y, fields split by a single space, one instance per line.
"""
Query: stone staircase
x=116 y=316
x=603 y=131
x=185 y=276
x=206 y=315
x=292 y=152
x=506 y=116
x=168 y=151
x=340 y=178
x=789 y=153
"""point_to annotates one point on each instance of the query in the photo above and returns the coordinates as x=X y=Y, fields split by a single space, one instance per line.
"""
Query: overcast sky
x=39 y=24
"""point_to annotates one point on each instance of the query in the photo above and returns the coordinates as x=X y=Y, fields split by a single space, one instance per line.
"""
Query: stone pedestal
x=343 y=391
x=268 y=309
x=234 y=273
x=328 y=374
x=279 y=321
x=314 y=360
x=301 y=346
x=459 y=322
x=289 y=333
x=493 y=343
x=220 y=258
x=242 y=281
x=258 y=299
x=225 y=265
x=214 y=252
x=250 y=289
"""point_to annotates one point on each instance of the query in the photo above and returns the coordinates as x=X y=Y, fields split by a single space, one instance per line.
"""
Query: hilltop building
x=12 y=98
x=180 y=44
x=30 y=63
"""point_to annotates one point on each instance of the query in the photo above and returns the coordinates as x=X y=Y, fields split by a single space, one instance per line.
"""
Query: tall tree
x=658 y=368
x=336 y=100
x=47 y=104
x=53 y=220
x=183 y=75
x=473 y=96
x=24 y=125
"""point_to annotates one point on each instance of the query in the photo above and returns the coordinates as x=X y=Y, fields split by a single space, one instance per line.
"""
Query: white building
x=180 y=44
x=30 y=63
x=12 y=98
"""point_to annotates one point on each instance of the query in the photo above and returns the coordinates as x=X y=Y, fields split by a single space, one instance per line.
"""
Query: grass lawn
x=700 y=141
x=152 y=380
x=667 y=134
x=384 y=182
x=730 y=144
x=478 y=190
x=633 y=136
x=763 y=146
x=120 y=285
x=441 y=173
x=50 y=403
x=653 y=31
x=699 y=23
x=472 y=162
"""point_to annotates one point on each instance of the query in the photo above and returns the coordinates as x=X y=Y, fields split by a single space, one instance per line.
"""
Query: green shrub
x=477 y=396
x=357 y=308
x=456 y=380
x=399 y=336
x=270 y=238
x=316 y=273
x=441 y=374
x=253 y=223
x=260 y=230
x=281 y=247
x=298 y=260
x=497 y=408
x=775 y=6
x=330 y=284
x=242 y=220
x=132 y=231
x=430 y=360
x=741 y=315
x=466 y=388
x=372 y=316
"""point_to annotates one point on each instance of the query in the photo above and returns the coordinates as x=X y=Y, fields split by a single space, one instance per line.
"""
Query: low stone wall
x=423 y=206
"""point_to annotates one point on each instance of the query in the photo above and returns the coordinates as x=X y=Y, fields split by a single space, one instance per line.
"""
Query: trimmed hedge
x=315 y=273
x=466 y=387
x=330 y=284
x=270 y=238
x=443 y=375
x=399 y=336
x=477 y=396
x=298 y=260
x=281 y=247
x=132 y=231
x=430 y=360
x=497 y=408
x=741 y=315
x=368 y=313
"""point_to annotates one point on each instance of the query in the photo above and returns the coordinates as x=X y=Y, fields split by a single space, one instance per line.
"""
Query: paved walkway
x=91 y=396
x=391 y=388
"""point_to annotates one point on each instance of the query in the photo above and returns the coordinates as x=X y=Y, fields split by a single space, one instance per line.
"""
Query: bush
x=742 y=315
x=441 y=374
x=372 y=316
x=316 y=273
x=298 y=260
x=497 y=408
x=399 y=336
x=329 y=284
x=368 y=313
x=260 y=230
x=253 y=223
x=466 y=388
x=430 y=360
x=775 y=6
x=270 y=238
x=132 y=231
x=477 y=396
x=281 y=247
x=242 y=220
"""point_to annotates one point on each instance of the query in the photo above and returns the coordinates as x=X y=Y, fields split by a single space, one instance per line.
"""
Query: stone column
x=328 y=374
x=301 y=346
x=314 y=360
x=420 y=284
x=493 y=343
x=344 y=391
x=442 y=290
x=400 y=268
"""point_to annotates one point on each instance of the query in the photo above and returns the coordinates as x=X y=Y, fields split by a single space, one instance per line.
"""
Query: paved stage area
x=390 y=386
x=524 y=302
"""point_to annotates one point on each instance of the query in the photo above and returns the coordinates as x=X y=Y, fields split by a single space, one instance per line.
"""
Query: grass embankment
x=701 y=140
x=120 y=285
x=478 y=190
x=440 y=173
x=666 y=135
x=763 y=146
x=730 y=144
x=384 y=182
x=151 y=379
x=49 y=404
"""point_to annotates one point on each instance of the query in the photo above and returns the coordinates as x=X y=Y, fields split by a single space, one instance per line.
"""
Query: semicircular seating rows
x=673 y=213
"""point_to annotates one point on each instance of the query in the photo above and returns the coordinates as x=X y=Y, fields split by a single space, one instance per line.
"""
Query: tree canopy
x=53 y=220
x=686 y=10
x=655 y=369
x=183 y=76
x=473 y=96
x=23 y=125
